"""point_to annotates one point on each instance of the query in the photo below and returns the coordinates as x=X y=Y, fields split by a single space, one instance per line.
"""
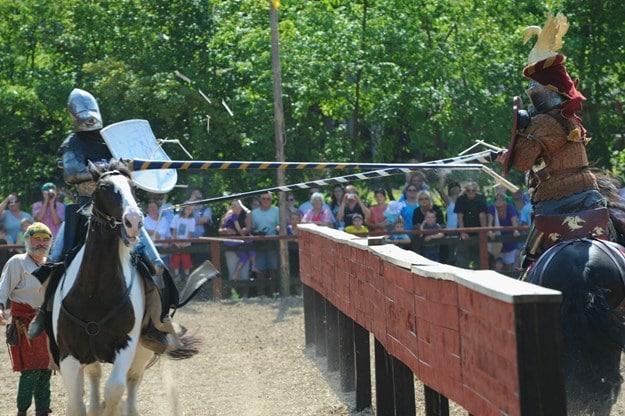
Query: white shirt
x=18 y=284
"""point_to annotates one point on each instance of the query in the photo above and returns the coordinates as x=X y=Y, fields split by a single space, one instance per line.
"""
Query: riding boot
x=22 y=412
x=42 y=412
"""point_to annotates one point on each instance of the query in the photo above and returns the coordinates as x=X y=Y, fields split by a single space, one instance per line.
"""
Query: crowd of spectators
x=416 y=206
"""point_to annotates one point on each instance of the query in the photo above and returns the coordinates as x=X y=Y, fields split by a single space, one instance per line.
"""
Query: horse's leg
x=94 y=374
x=73 y=377
x=116 y=383
x=135 y=376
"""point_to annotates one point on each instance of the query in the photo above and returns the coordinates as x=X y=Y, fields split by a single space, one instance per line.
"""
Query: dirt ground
x=253 y=363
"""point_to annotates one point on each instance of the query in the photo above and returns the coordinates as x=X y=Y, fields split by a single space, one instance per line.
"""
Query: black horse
x=590 y=273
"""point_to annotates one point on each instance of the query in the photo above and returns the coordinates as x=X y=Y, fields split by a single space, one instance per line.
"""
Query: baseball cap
x=47 y=186
x=38 y=230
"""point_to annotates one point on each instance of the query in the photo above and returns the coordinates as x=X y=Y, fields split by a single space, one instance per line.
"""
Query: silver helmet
x=543 y=99
x=84 y=110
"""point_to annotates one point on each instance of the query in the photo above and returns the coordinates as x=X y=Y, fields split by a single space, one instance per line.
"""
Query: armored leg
x=159 y=298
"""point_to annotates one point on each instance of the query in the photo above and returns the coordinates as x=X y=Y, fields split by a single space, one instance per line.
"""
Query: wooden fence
x=213 y=249
x=490 y=343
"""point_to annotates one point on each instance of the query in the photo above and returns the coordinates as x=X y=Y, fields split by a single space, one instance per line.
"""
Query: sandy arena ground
x=253 y=363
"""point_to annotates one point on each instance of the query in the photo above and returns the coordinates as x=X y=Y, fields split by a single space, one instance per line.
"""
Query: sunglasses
x=265 y=198
x=411 y=190
x=471 y=190
x=290 y=199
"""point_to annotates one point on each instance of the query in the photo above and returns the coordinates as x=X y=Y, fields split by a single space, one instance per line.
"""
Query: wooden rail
x=490 y=343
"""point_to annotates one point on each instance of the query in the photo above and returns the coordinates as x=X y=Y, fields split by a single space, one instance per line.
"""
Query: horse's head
x=114 y=204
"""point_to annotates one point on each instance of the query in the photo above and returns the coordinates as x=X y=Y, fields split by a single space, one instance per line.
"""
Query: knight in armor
x=86 y=144
x=548 y=142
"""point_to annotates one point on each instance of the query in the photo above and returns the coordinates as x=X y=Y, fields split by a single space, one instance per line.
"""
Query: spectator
x=335 y=204
x=410 y=204
x=182 y=227
x=50 y=210
x=418 y=216
x=401 y=239
x=501 y=213
x=295 y=219
x=164 y=208
x=351 y=204
x=237 y=222
x=430 y=222
x=307 y=205
x=377 y=221
x=29 y=356
x=472 y=212
x=293 y=244
x=416 y=179
x=358 y=225
x=392 y=214
x=448 y=253
x=426 y=205
x=12 y=218
x=525 y=215
x=266 y=221
x=290 y=207
x=319 y=213
x=158 y=228
x=449 y=198
x=203 y=222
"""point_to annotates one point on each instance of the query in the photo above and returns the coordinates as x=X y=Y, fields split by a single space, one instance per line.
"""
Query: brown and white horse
x=99 y=305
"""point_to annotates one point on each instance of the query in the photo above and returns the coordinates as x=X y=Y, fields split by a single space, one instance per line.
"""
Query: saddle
x=554 y=228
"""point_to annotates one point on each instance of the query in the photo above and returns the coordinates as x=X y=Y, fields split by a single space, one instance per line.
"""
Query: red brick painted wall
x=457 y=337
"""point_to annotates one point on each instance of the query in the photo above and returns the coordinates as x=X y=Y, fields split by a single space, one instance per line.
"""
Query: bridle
x=101 y=217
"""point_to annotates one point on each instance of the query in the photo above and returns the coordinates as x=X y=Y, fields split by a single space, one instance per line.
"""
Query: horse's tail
x=190 y=347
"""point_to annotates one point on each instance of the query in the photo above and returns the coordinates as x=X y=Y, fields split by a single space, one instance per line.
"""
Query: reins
x=93 y=328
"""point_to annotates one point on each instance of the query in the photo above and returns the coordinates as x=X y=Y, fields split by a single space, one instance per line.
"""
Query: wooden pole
x=285 y=284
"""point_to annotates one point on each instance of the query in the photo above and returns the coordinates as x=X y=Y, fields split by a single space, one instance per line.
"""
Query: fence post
x=362 y=361
x=332 y=336
x=346 y=352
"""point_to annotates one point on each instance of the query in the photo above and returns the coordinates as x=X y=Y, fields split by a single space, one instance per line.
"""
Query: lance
x=143 y=164
x=334 y=181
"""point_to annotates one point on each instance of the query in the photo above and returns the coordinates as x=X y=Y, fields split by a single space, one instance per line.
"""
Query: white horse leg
x=94 y=374
x=116 y=383
x=73 y=377
x=135 y=376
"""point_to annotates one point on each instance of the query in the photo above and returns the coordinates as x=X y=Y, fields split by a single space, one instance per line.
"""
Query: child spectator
x=402 y=240
x=182 y=228
x=429 y=223
x=358 y=225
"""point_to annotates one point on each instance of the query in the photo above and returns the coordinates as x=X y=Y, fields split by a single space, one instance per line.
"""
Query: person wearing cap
x=358 y=225
x=49 y=210
x=29 y=357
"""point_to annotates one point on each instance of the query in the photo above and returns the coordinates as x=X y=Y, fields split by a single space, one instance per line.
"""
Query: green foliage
x=362 y=80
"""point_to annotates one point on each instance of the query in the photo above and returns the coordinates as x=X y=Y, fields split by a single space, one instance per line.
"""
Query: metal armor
x=84 y=110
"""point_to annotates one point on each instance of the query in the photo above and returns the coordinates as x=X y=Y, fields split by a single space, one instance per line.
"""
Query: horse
x=99 y=304
x=590 y=273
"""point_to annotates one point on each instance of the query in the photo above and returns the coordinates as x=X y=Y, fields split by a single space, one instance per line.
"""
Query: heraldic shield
x=134 y=139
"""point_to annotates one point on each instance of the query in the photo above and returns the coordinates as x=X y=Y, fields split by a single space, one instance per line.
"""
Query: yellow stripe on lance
x=275 y=3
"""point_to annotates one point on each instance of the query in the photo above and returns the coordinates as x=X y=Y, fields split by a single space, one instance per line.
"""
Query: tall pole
x=285 y=286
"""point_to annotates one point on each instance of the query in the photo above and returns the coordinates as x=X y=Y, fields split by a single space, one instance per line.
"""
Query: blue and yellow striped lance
x=457 y=162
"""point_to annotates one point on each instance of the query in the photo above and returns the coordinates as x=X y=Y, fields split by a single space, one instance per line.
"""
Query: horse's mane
x=609 y=185
x=112 y=165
